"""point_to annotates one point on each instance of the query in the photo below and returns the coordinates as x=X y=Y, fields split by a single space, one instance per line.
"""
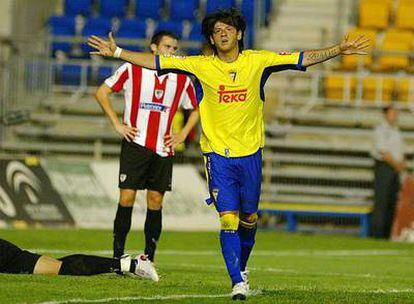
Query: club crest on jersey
x=233 y=75
x=214 y=194
x=122 y=177
x=230 y=96
x=159 y=93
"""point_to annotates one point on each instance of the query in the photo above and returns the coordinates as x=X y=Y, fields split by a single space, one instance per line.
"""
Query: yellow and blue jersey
x=232 y=95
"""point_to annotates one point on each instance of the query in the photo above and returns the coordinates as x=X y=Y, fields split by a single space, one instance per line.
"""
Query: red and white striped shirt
x=151 y=102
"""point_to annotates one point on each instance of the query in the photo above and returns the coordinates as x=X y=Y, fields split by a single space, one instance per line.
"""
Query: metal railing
x=310 y=89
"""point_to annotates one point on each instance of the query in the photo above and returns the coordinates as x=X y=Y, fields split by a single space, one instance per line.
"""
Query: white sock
x=125 y=263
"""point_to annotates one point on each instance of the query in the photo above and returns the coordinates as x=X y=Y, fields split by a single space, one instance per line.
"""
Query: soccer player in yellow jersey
x=231 y=100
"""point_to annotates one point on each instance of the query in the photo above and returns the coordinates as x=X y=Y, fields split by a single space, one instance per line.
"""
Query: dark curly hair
x=231 y=17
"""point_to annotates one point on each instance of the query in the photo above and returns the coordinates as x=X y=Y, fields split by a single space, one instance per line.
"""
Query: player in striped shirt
x=231 y=112
x=151 y=100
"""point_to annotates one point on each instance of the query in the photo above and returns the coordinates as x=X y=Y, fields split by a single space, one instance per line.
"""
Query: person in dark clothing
x=15 y=260
x=389 y=164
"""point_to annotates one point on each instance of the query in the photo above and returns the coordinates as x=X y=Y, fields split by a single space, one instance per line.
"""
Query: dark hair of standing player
x=231 y=17
x=157 y=37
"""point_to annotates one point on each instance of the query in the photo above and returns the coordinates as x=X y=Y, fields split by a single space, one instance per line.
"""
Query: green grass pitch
x=284 y=268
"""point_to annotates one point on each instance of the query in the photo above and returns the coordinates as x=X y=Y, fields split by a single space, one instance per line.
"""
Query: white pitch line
x=199 y=296
x=138 y=298
x=276 y=253
x=407 y=290
x=284 y=271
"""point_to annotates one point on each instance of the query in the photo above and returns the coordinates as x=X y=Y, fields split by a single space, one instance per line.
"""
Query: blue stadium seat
x=71 y=74
x=132 y=29
x=78 y=7
x=113 y=8
x=268 y=6
x=149 y=8
x=172 y=26
x=183 y=9
x=99 y=26
x=247 y=9
x=103 y=73
x=214 y=5
x=249 y=37
x=61 y=26
x=62 y=22
x=195 y=33
x=268 y=9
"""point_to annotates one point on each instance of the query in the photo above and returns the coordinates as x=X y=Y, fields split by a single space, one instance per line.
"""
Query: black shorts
x=15 y=260
x=141 y=168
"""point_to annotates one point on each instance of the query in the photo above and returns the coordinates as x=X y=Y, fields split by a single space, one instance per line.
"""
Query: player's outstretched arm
x=357 y=46
x=108 y=48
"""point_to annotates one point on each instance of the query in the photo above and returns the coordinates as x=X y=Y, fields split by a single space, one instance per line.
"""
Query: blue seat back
x=61 y=26
x=70 y=74
x=99 y=26
x=149 y=8
x=78 y=7
x=183 y=9
x=195 y=33
x=103 y=73
x=132 y=28
x=214 y=5
x=175 y=27
x=113 y=8
x=248 y=11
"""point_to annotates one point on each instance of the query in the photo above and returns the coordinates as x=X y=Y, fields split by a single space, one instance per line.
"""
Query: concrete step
x=315 y=200
x=317 y=190
x=284 y=158
x=332 y=174
x=60 y=148
x=313 y=3
x=318 y=145
x=346 y=117
x=311 y=22
x=68 y=132
x=290 y=45
x=325 y=9
x=305 y=35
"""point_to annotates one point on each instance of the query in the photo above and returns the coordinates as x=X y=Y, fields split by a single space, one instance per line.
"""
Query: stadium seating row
x=178 y=9
x=373 y=87
x=386 y=88
x=66 y=26
x=71 y=25
x=70 y=74
x=377 y=14
x=397 y=42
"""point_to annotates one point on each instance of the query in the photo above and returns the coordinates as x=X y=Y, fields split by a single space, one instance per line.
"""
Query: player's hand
x=104 y=47
x=357 y=46
x=127 y=132
x=172 y=141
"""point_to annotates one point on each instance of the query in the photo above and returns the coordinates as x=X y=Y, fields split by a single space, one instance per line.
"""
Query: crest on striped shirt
x=159 y=93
